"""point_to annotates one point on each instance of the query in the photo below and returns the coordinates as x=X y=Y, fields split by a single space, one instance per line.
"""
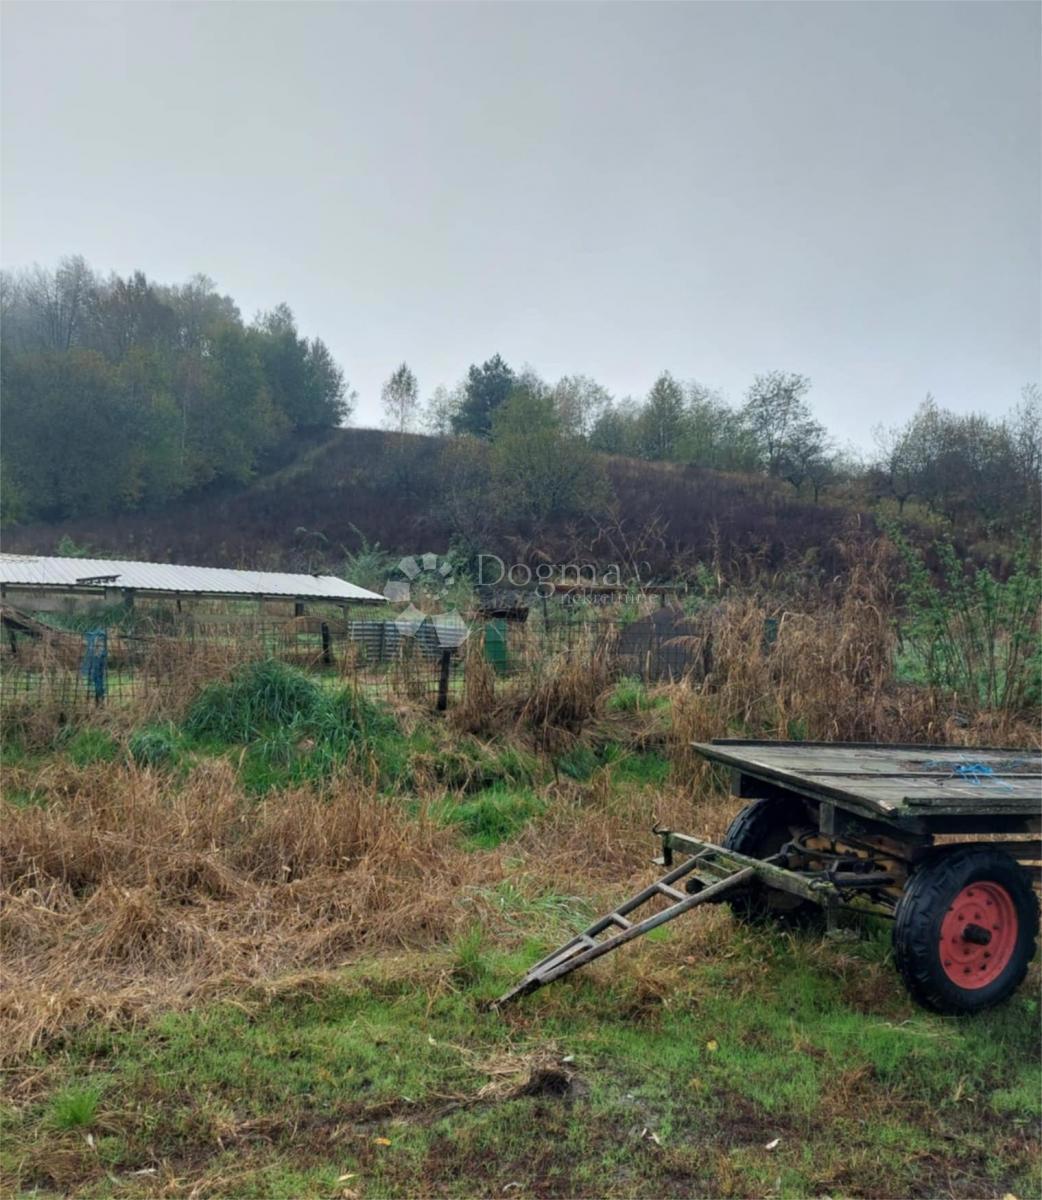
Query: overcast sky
x=851 y=191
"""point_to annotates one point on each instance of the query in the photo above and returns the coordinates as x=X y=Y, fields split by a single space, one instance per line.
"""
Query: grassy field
x=249 y=953
x=250 y=940
x=723 y=1065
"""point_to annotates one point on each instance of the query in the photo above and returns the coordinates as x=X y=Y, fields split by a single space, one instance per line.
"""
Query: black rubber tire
x=921 y=910
x=758 y=831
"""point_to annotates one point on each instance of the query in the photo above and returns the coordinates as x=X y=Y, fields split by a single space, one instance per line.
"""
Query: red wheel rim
x=978 y=935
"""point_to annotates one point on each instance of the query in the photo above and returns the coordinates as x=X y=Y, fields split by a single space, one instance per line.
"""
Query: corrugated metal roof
x=29 y=570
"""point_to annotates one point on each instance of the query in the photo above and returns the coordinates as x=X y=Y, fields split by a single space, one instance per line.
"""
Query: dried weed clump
x=822 y=669
x=550 y=699
x=123 y=894
x=475 y=710
x=45 y=694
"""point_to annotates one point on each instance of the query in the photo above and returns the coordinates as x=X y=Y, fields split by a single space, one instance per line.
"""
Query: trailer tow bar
x=716 y=873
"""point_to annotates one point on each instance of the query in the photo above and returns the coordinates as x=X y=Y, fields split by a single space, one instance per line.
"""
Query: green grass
x=465 y=764
x=157 y=746
x=579 y=763
x=13 y=753
x=631 y=695
x=263 y=695
x=681 y=1060
x=295 y=729
x=650 y=769
x=282 y=1097
x=492 y=816
x=74 y=1107
x=86 y=746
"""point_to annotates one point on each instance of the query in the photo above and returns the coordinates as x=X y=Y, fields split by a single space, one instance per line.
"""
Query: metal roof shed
x=24 y=576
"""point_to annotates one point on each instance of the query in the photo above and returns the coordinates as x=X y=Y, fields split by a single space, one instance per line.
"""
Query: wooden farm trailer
x=941 y=840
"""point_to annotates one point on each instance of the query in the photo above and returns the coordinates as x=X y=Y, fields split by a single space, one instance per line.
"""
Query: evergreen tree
x=486 y=388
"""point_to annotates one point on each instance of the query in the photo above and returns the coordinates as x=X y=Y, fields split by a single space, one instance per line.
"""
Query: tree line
x=119 y=391
x=973 y=469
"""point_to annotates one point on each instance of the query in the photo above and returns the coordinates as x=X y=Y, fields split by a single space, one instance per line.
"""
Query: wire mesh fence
x=419 y=661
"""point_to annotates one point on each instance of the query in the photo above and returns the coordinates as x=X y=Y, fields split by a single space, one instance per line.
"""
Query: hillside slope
x=327 y=492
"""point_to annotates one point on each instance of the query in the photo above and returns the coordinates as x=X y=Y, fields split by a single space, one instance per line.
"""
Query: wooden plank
x=852 y=765
x=1029 y=775
x=1026 y=850
x=816 y=789
x=900 y=788
x=935 y=785
x=869 y=747
x=869 y=762
x=814 y=771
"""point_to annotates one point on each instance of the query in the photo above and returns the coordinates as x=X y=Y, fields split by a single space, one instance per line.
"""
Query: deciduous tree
x=662 y=420
x=774 y=406
x=538 y=469
x=580 y=401
x=400 y=397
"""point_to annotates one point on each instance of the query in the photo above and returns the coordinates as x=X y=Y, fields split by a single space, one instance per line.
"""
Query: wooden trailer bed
x=931 y=788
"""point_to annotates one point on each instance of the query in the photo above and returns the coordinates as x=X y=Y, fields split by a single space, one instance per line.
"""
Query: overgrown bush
x=973 y=634
x=295 y=727
x=262 y=696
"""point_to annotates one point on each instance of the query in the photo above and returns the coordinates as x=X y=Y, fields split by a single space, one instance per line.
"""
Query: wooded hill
x=154 y=421
x=329 y=493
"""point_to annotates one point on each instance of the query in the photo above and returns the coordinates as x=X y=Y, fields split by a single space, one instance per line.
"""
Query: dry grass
x=122 y=894
x=475 y=713
x=549 y=699
x=828 y=675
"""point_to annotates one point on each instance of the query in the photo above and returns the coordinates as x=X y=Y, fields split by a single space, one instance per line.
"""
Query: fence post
x=327 y=656
x=443 y=680
x=94 y=667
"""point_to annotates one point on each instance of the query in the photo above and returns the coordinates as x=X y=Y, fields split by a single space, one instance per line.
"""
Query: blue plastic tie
x=94 y=667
